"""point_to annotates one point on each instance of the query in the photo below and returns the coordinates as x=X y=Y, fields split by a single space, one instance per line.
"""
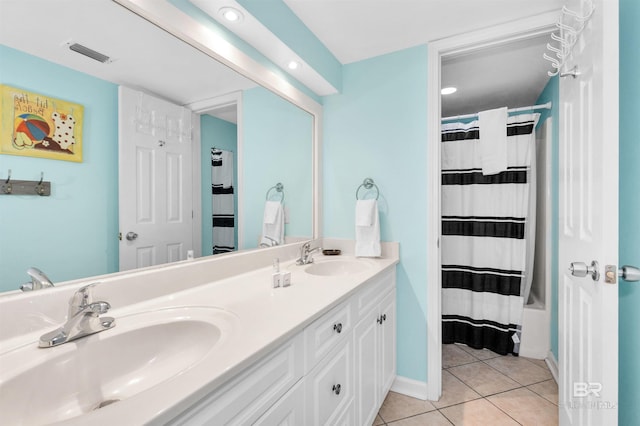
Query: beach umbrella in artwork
x=32 y=126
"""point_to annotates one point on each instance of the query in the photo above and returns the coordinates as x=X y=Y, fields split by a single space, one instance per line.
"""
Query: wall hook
x=7 y=188
x=39 y=188
x=573 y=72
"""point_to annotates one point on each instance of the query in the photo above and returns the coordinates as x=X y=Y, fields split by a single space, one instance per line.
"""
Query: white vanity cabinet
x=375 y=349
x=336 y=371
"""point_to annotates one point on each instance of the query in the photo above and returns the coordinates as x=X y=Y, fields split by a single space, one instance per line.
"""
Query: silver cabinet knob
x=629 y=273
x=580 y=269
x=131 y=236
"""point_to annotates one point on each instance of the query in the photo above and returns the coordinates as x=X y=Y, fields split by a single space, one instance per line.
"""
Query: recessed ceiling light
x=294 y=65
x=231 y=14
x=448 y=90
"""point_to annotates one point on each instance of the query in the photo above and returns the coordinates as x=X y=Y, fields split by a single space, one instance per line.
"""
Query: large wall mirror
x=271 y=127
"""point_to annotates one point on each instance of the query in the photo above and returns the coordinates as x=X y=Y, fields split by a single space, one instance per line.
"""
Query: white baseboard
x=553 y=365
x=410 y=387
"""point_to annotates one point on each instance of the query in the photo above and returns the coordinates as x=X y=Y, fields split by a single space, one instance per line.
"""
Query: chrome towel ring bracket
x=278 y=187
x=368 y=183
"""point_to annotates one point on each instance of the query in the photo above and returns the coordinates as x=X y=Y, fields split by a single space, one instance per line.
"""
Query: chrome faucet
x=38 y=280
x=305 y=253
x=83 y=319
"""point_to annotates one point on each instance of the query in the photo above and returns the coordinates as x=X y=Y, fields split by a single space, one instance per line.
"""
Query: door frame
x=468 y=42
x=203 y=107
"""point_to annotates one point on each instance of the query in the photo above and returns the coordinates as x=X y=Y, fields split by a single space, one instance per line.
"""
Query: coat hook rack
x=25 y=187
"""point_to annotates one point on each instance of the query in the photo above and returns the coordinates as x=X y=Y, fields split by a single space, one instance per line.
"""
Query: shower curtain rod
x=529 y=108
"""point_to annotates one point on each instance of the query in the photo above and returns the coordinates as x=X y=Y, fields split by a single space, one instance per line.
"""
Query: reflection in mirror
x=74 y=232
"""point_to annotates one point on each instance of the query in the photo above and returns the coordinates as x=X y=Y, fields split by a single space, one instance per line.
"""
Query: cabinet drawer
x=330 y=387
x=245 y=398
x=372 y=293
x=324 y=333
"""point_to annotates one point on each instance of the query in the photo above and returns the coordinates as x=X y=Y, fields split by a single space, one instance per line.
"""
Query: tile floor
x=480 y=387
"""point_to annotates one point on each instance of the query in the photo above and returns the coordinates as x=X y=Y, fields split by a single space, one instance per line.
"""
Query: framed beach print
x=37 y=125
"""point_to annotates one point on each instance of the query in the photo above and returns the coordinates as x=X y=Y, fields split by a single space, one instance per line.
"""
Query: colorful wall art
x=36 y=125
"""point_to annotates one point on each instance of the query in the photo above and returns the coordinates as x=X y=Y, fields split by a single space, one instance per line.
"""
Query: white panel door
x=154 y=180
x=588 y=223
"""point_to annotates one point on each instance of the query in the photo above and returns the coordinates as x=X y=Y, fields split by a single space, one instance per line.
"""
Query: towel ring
x=368 y=184
x=279 y=188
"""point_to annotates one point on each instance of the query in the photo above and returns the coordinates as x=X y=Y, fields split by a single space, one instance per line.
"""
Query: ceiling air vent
x=83 y=50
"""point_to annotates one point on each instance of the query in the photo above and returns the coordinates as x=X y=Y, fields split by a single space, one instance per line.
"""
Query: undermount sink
x=41 y=386
x=338 y=267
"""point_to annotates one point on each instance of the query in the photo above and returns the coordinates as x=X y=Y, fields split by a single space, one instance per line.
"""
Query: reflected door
x=154 y=180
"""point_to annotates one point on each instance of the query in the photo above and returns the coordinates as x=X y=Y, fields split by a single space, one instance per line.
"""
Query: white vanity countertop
x=266 y=318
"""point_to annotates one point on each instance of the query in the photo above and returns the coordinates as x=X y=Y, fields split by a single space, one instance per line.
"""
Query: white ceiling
x=354 y=30
x=145 y=57
x=512 y=75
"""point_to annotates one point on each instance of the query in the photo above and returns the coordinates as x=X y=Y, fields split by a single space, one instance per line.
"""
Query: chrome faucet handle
x=39 y=280
x=81 y=299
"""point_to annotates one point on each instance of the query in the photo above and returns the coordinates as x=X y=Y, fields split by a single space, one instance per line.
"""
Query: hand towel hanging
x=367 y=236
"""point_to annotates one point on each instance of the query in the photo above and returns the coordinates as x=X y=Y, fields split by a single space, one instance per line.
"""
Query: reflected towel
x=368 y=236
x=222 y=171
x=273 y=224
x=493 y=140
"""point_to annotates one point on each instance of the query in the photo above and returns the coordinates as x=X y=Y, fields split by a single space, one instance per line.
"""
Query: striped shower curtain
x=223 y=220
x=486 y=249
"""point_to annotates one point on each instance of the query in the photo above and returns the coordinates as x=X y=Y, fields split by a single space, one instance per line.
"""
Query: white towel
x=493 y=140
x=364 y=212
x=273 y=224
x=271 y=209
x=368 y=236
x=222 y=172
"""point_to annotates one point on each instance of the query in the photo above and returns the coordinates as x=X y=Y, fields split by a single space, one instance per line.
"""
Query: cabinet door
x=367 y=356
x=329 y=386
x=387 y=343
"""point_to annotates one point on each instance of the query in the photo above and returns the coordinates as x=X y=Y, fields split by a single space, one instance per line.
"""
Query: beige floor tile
x=539 y=362
x=397 y=406
x=481 y=354
x=548 y=390
x=433 y=418
x=477 y=413
x=454 y=391
x=482 y=378
x=453 y=355
x=526 y=407
x=378 y=421
x=519 y=369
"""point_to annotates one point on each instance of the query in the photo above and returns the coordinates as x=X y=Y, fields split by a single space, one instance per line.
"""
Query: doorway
x=439 y=50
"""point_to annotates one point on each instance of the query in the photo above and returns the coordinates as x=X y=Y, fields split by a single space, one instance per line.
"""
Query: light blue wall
x=377 y=128
x=72 y=233
x=551 y=93
x=277 y=139
x=629 y=219
x=220 y=134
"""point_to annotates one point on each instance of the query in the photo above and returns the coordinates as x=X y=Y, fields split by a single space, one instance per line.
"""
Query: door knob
x=131 y=236
x=580 y=269
x=629 y=273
